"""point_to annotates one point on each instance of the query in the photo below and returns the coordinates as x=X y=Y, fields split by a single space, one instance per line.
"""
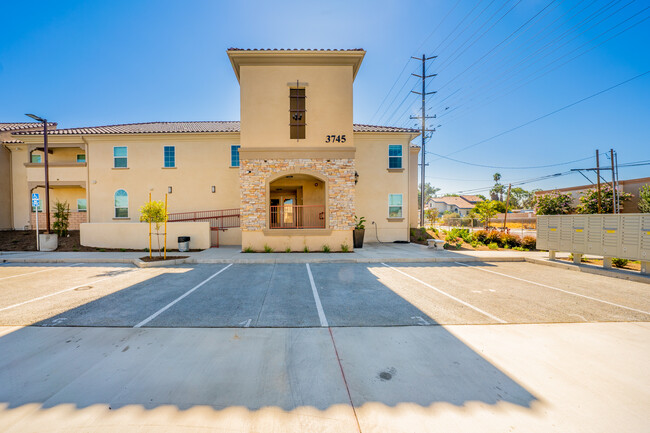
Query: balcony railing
x=297 y=217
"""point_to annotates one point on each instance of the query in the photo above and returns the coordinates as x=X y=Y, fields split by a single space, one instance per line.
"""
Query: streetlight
x=47 y=178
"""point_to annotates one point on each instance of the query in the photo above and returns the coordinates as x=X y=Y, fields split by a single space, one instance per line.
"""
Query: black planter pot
x=358 y=237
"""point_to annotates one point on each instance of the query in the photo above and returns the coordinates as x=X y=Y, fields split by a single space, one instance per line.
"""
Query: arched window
x=121 y=204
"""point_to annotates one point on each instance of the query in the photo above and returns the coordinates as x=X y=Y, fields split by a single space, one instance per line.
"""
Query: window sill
x=233 y=166
x=169 y=168
x=122 y=219
x=395 y=170
x=395 y=219
x=120 y=168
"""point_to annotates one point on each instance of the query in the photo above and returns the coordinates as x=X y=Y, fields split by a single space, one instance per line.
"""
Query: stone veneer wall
x=340 y=188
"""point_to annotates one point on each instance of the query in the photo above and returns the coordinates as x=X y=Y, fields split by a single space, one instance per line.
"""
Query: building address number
x=335 y=138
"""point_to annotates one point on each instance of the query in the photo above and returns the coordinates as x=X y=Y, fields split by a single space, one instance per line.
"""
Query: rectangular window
x=120 y=157
x=81 y=205
x=36 y=159
x=81 y=157
x=394 y=205
x=395 y=156
x=234 y=156
x=297 y=112
x=170 y=156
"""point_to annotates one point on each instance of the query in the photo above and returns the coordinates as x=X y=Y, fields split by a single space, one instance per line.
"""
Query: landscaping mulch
x=161 y=259
x=631 y=265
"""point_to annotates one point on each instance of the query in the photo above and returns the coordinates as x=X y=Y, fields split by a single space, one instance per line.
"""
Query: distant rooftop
x=184 y=127
x=294 y=49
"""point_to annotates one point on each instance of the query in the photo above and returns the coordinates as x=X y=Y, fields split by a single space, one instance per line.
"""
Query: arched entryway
x=297 y=201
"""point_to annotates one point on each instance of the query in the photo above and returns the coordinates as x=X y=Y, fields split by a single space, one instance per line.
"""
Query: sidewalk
x=370 y=253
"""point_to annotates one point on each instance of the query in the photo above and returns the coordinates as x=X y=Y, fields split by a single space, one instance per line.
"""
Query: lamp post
x=47 y=178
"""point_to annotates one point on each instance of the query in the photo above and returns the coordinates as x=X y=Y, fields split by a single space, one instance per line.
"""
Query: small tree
x=154 y=212
x=644 y=199
x=486 y=210
x=589 y=200
x=554 y=203
x=431 y=215
x=61 y=218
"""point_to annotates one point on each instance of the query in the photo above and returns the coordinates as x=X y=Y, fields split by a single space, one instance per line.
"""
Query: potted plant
x=359 y=231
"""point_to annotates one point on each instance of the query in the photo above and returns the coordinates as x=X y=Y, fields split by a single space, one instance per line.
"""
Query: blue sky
x=96 y=63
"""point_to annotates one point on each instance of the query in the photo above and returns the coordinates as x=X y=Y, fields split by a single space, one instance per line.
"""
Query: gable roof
x=459 y=202
x=184 y=127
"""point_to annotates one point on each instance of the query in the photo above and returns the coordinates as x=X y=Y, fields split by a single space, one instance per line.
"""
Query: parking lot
x=316 y=347
x=314 y=295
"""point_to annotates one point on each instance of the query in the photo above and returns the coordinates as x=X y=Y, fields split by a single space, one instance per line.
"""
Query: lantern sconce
x=213 y=189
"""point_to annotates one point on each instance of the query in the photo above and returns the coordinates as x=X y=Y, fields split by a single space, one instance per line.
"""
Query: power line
x=541 y=117
x=509 y=167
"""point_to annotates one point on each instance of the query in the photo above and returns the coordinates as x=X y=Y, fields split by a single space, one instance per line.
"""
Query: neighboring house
x=295 y=171
x=461 y=205
x=6 y=141
x=631 y=186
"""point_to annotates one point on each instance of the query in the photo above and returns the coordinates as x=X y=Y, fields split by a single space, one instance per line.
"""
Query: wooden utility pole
x=598 y=180
x=505 y=215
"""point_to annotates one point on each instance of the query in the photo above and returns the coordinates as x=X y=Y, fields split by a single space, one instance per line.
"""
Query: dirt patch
x=161 y=259
x=631 y=265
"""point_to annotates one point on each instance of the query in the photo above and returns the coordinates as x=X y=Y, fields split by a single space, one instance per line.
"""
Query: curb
x=359 y=260
x=158 y=264
x=592 y=269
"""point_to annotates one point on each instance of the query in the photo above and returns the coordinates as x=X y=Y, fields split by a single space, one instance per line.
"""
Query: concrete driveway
x=322 y=347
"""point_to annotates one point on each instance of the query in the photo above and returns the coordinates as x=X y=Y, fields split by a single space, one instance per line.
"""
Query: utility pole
x=424 y=118
x=598 y=179
x=505 y=215
x=614 y=200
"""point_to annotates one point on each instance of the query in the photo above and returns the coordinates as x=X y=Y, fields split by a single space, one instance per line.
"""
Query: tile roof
x=180 y=127
x=23 y=125
x=11 y=142
x=471 y=198
x=454 y=201
x=293 y=49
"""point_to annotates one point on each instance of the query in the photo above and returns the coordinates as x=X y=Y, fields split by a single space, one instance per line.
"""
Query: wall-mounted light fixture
x=169 y=189
x=213 y=189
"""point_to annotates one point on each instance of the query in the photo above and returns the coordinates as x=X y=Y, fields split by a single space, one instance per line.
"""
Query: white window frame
x=115 y=208
x=165 y=162
x=125 y=157
x=401 y=157
x=401 y=206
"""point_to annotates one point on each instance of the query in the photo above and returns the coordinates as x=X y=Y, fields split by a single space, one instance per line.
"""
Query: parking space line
x=319 y=306
x=53 y=294
x=493 y=317
x=189 y=292
x=36 y=272
x=555 y=288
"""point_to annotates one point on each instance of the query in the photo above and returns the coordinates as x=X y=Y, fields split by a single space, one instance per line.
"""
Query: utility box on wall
x=626 y=236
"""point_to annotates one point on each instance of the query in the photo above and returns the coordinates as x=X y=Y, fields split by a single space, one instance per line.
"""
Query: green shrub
x=474 y=244
x=619 y=263
x=326 y=248
x=345 y=248
x=413 y=232
x=510 y=240
x=61 y=218
x=248 y=249
x=267 y=249
x=493 y=246
x=306 y=249
x=520 y=249
x=529 y=242
x=287 y=250
x=459 y=245
x=481 y=235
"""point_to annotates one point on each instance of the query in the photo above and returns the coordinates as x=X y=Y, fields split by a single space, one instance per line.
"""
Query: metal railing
x=219 y=219
x=297 y=217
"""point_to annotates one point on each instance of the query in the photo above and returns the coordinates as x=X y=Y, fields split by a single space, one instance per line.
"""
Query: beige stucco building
x=292 y=174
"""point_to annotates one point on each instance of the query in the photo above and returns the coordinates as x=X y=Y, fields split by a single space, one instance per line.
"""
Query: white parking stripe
x=43 y=270
x=491 y=316
x=555 y=288
x=319 y=306
x=53 y=294
x=189 y=292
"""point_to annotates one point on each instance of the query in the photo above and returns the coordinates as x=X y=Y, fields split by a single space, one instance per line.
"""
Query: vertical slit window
x=121 y=204
x=169 y=154
x=297 y=113
x=234 y=156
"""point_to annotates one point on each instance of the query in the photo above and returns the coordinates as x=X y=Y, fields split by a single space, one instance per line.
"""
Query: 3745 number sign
x=335 y=138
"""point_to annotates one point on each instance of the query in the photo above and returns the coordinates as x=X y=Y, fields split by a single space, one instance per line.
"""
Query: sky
x=500 y=65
